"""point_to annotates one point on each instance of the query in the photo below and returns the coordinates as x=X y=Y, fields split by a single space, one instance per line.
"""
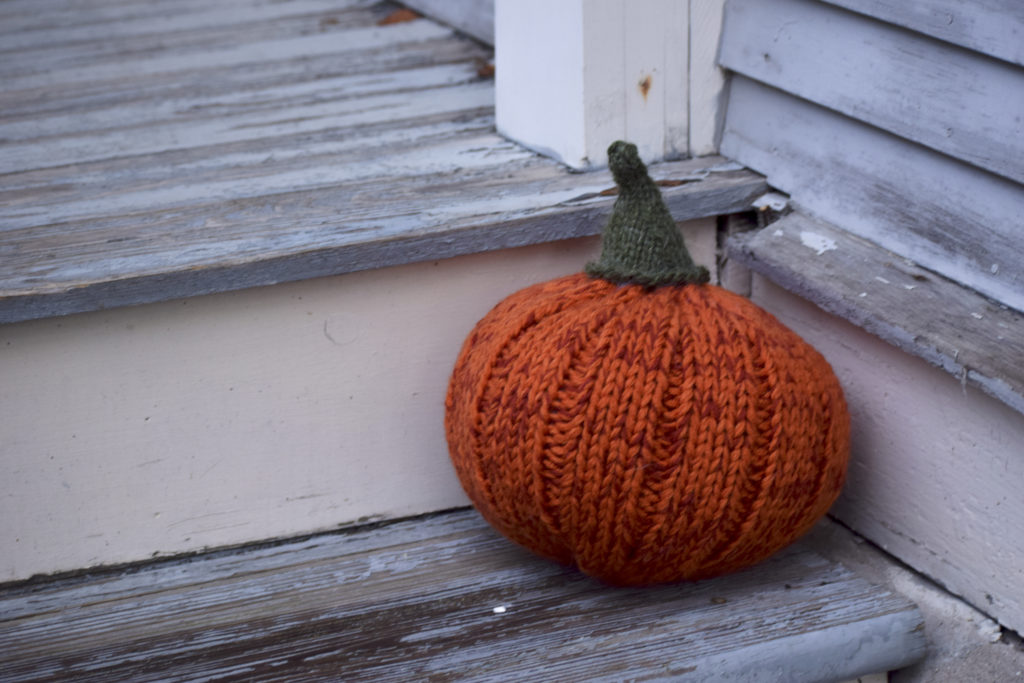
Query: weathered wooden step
x=445 y=598
x=976 y=339
x=268 y=143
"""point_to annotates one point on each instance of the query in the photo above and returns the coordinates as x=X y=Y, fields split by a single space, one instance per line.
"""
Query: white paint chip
x=778 y=233
x=882 y=280
x=727 y=166
x=862 y=294
x=979 y=316
x=500 y=609
x=771 y=200
x=819 y=243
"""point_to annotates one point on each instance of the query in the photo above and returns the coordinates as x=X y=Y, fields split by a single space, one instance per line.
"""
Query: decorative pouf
x=638 y=422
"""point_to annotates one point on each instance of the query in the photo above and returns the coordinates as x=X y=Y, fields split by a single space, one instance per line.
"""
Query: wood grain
x=941 y=213
x=958 y=102
x=707 y=78
x=600 y=72
x=992 y=27
x=248 y=148
x=146 y=28
x=924 y=314
x=441 y=598
x=474 y=17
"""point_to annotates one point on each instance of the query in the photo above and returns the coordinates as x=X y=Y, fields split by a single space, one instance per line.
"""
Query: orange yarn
x=646 y=435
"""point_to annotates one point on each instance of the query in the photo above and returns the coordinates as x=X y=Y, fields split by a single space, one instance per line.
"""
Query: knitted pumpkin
x=640 y=423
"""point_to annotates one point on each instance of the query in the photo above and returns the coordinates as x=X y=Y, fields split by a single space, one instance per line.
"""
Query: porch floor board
x=159 y=150
x=445 y=598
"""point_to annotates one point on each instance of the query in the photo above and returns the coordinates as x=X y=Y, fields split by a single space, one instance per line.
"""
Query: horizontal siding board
x=954 y=101
x=992 y=27
x=943 y=214
x=416 y=600
x=972 y=338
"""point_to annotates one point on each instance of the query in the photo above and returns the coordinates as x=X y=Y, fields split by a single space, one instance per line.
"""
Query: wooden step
x=266 y=143
x=936 y=465
x=444 y=597
x=978 y=340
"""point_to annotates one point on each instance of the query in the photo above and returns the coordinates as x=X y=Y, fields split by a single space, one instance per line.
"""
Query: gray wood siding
x=991 y=27
x=922 y=205
x=909 y=141
x=953 y=101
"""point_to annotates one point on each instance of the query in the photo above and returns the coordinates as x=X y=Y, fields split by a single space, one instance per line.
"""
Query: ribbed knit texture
x=646 y=435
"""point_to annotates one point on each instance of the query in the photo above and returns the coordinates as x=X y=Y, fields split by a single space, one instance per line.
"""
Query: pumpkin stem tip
x=641 y=243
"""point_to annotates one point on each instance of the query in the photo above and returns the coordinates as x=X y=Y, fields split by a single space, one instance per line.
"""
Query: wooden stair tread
x=974 y=338
x=265 y=143
x=444 y=598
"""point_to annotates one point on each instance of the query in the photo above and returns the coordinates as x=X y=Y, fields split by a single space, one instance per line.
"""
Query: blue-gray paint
x=416 y=600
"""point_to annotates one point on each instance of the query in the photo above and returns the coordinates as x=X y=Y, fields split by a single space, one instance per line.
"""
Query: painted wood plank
x=210 y=83
x=969 y=336
x=46 y=15
x=244 y=416
x=174 y=400
x=446 y=596
x=920 y=204
x=992 y=27
x=473 y=17
x=204 y=163
x=176 y=25
x=229 y=56
x=655 y=53
x=953 y=101
x=168 y=117
x=45 y=56
x=395 y=100
x=127 y=258
x=239 y=170
x=601 y=71
x=707 y=79
x=936 y=465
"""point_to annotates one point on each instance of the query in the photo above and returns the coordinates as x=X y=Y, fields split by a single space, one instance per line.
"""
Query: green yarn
x=641 y=243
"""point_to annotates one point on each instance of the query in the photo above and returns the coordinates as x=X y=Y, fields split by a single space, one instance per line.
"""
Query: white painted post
x=575 y=75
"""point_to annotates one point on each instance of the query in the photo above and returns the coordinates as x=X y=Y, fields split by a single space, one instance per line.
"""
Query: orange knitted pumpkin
x=639 y=423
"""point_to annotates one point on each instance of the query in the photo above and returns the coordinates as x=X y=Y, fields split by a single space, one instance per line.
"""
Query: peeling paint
x=776 y=201
x=819 y=243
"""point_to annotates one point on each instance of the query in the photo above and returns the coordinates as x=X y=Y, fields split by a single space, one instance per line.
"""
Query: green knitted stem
x=641 y=243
